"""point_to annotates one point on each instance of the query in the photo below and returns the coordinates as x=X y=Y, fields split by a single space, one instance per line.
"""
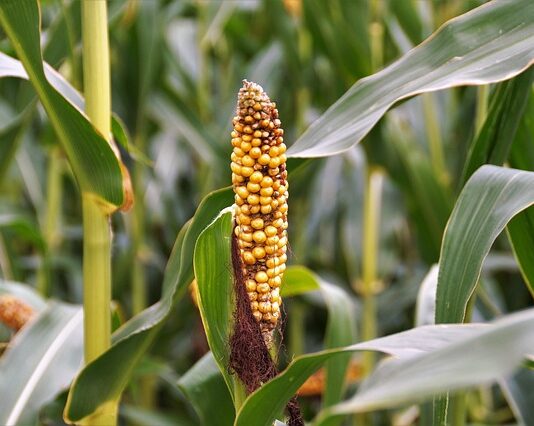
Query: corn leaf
x=204 y=387
x=94 y=163
x=521 y=227
x=11 y=136
x=40 y=362
x=517 y=391
x=427 y=360
x=507 y=106
x=340 y=327
x=215 y=295
x=491 y=352
x=489 y=200
x=491 y=43
x=104 y=379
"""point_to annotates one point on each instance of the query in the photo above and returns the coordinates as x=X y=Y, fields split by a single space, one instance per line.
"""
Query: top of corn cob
x=14 y=312
x=259 y=181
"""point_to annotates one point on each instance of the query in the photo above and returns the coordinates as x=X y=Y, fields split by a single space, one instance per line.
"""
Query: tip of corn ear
x=14 y=312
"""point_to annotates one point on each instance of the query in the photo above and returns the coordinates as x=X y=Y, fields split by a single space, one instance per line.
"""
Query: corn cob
x=259 y=179
x=14 y=312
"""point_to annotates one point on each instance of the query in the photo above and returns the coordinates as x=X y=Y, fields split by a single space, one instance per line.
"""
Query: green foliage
x=176 y=67
x=51 y=348
x=94 y=162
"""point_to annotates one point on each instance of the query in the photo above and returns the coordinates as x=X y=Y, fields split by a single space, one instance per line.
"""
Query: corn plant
x=155 y=271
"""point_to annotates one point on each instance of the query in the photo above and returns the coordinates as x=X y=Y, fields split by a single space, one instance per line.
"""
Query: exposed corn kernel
x=259 y=178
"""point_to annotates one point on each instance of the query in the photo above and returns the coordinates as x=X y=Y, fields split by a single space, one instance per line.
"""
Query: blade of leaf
x=94 y=163
x=204 y=387
x=521 y=228
x=517 y=390
x=40 y=361
x=490 y=353
x=24 y=292
x=489 y=200
x=507 y=106
x=215 y=295
x=340 y=327
x=491 y=43
x=261 y=406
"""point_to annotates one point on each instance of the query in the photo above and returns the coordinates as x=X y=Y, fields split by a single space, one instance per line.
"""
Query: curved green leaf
x=507 y=107
x=213 y=266
x=40 y=361
x=491 y=43
x=259 y=407
x=489 y=200
x=204 y=387
x=340 y=327
x=521 y=227
x=517 y=390
x=427 y=360
x=491 y=352
x=104 y=379
x=96 y=166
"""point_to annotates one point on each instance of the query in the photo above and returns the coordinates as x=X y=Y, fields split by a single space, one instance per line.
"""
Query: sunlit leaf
x=491 y=43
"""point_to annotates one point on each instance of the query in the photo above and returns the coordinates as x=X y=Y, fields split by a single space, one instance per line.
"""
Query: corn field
x=266 y=212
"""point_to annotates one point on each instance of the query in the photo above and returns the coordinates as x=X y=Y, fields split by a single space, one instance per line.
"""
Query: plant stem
x=97 y=279
x=433 y=134
x=51 y=220
x=296 y=328
x=376 y=34
x=96 y=223
x=139 y=297
x=482 y=107
x=369 y=287
x=6 y=271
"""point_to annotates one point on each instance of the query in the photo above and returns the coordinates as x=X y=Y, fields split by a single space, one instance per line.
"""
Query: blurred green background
x=176 y=69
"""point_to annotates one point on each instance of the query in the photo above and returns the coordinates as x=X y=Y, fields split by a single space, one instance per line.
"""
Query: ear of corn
x=14 y=312
x=259 y=180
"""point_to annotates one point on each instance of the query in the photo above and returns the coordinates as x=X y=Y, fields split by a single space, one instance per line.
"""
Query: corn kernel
x=261 y=277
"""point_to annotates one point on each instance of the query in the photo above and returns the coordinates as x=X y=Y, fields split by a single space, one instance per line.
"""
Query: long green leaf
x=491 y=43
x=517 y=390
x=521 y=227
x=489 y=200
x=340 y=327
x=508 y=104
x=104 y=379
x=491 y=352
x=11 y=136
x=204 y=387
x=95 y=165
x=421 y=355
x=40 y=361
x=215 y=295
